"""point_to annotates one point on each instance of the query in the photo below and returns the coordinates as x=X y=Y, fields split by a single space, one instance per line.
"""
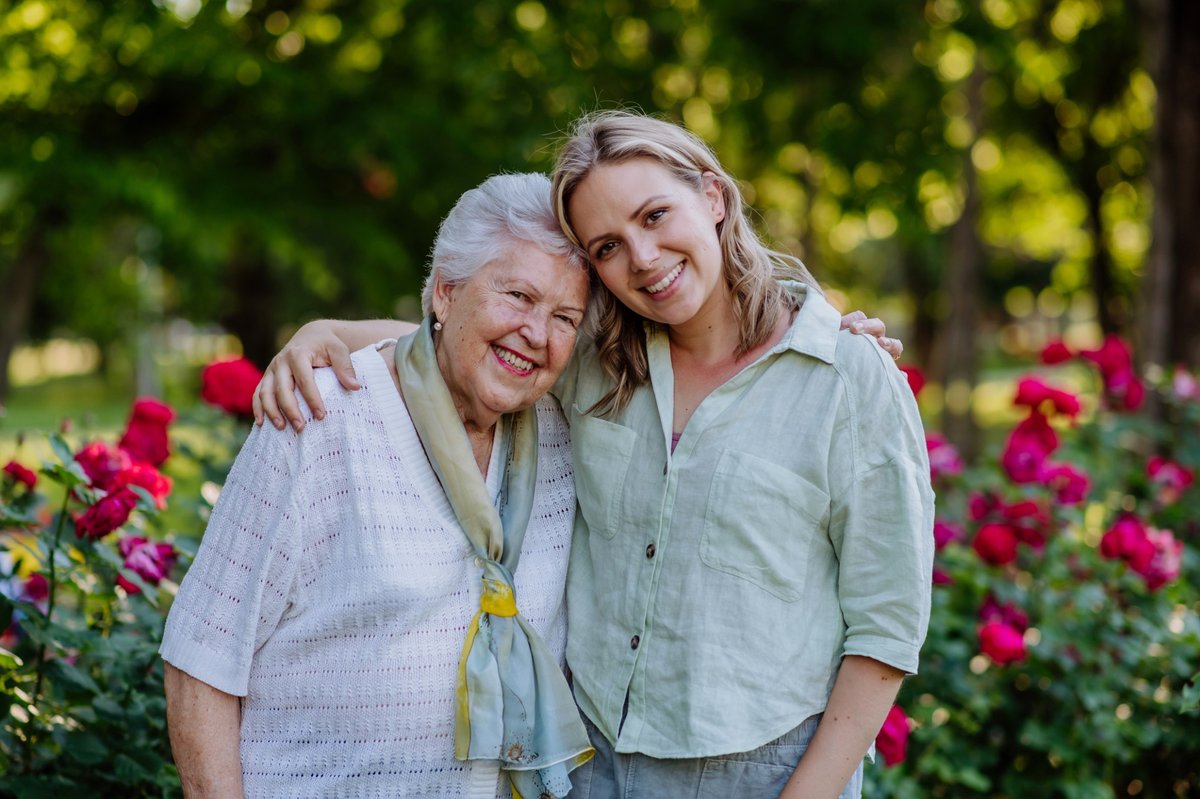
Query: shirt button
x=633 y=643
x=650 y=551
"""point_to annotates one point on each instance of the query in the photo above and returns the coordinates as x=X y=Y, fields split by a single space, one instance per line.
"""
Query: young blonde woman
x=750 y=572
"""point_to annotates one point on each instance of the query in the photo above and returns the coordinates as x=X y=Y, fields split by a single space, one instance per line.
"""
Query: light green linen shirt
x=718 y=587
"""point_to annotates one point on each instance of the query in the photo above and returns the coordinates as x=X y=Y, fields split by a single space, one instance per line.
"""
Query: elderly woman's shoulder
x=869 y=366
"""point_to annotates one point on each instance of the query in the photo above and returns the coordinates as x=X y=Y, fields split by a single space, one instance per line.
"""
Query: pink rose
x=943 y=457
x=996 y=544
x=230 y=385
x=1165 y=563
x=22 y=475
x=1055 y=352
x=892 y=740
x=150 y=561
x=1171 y=478
x=1002 y=643
x=1184 y=385
x=109 y=513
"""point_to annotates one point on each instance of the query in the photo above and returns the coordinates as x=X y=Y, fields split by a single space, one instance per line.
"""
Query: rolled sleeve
x=881 y=519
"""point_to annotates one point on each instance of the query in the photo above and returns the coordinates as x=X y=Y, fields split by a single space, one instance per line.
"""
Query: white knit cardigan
x=332 y=592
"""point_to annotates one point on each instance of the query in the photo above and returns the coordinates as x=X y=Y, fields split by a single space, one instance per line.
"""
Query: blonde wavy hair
x=751 y=269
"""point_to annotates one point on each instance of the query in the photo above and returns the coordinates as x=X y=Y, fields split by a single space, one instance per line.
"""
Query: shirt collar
x=815 y=329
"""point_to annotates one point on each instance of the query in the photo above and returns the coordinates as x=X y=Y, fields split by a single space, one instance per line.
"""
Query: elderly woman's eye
x=570 y=320
x=520 y=295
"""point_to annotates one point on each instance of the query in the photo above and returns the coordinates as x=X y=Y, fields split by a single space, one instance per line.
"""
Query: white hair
x=489 y=220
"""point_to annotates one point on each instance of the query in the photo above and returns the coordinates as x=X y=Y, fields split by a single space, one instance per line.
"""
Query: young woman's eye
x=605 y=249
x=656 y=215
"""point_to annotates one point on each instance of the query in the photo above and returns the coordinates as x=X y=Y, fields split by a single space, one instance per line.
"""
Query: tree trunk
x=1169 y=325
x=20 y=286
x=252 y=313
x=964 y=269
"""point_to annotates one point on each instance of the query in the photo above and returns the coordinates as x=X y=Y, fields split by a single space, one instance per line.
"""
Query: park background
x=1013 y=185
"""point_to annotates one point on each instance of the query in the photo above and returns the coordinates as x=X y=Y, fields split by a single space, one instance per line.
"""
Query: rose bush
x=88 y=551
x=1064 y=646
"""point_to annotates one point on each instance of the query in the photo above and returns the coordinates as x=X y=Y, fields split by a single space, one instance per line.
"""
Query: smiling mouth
x=514 y=362
x=666 y=281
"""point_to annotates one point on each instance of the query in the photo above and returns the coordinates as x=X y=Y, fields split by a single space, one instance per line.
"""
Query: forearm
x=862 y=695
x=204 y=726
x=358 y=334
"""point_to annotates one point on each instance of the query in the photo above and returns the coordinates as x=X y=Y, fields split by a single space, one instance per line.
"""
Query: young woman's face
x=652 y=238
x=508 y=331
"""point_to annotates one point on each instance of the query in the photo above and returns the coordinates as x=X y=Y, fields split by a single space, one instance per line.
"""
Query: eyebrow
x=636 y=213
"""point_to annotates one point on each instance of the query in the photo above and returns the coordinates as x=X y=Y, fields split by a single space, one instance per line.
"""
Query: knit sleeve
x=238 y=588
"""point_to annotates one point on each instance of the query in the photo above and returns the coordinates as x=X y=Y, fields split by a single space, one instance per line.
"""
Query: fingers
x=339 y=359
x=849 y=319
x=893 y=346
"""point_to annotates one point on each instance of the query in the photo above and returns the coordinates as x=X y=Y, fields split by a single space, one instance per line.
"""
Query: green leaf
x=6 y=612
x=1191 y=695
x=109 y=708
x=146 y=502
x=61 y=448
x=60 y=671
x=9 y=662
x=87 y=748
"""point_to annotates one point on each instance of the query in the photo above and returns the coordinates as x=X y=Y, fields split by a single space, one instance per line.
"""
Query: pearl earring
x=437 y=326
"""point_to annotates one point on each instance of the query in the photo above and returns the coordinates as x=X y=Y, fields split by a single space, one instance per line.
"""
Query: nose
x=536 y=328
x=643 y=253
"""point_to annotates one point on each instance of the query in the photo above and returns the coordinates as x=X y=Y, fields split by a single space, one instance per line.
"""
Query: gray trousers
x=757 y=774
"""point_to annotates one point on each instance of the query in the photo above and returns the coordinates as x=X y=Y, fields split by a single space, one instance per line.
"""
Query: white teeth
x=514 y=360
x=666 y=281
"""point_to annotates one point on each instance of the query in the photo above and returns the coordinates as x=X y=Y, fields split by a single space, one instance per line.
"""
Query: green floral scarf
x=513 y=705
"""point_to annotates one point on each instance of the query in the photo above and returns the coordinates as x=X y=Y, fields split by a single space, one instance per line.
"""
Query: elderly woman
x=316 y=646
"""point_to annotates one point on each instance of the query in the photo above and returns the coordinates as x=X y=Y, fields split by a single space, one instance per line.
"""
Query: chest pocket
x=602 y=451
x=765 y=524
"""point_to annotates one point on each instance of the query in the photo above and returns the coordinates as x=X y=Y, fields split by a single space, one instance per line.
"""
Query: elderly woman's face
x=508 y=332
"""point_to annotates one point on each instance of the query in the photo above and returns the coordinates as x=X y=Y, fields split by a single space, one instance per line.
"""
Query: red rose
x=1112 y=358
x=1126 y=540
x=20 y=474
x=945 y=532
x=230 y=385
x=143 y=475
x=145 y=436
x=1035 y=394
x=980 y=505
x=102 y=463
x=996 y=544
x=1002 y=643
x=892 y=740
x=1070 y=485
x=1008 y=614
x=37 y=587
x=916 y=378
x=109 y=513
x=1055 y=352
x=1028 y=446
x=942 y=577
x=150 y=561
